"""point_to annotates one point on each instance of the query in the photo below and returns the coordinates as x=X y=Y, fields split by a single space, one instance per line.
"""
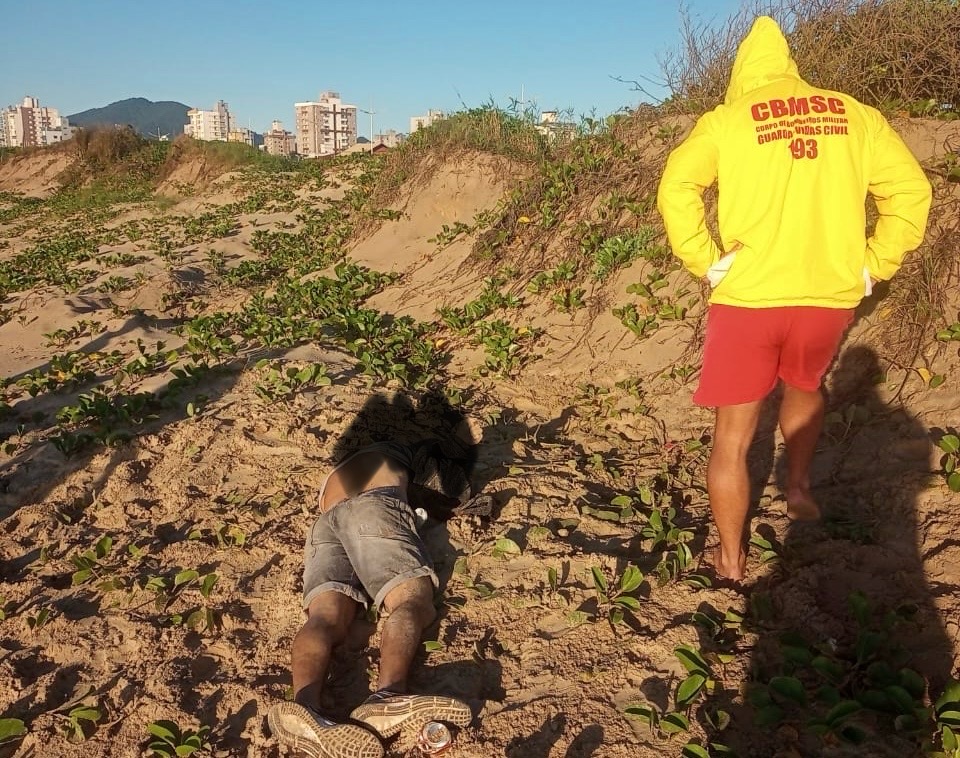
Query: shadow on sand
x=846 y=615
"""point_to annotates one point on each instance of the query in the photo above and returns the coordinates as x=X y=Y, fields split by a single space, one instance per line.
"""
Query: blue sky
x=400 y=57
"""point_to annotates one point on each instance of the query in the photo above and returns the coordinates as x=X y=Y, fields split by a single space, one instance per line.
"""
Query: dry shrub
x=102 y=147
x=892 y=54
x=920 y=292
x=111 y=156
x=698 y=71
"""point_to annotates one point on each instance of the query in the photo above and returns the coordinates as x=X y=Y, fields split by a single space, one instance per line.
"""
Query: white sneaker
x=317 y=737
x=388 y=714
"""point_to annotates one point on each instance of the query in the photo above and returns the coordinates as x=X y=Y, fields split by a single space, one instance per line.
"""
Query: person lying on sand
x=364 y=547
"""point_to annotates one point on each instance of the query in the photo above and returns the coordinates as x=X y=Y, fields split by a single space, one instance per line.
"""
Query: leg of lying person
x=390 y=710
x=328 y=621
x=297 y=724
x=411 y=611
x=380 y=533
x=332 y=596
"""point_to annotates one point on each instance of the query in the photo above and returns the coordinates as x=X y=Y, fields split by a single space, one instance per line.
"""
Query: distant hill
x=143 y=115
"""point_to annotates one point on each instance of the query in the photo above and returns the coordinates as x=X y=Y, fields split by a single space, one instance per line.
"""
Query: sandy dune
x=221 y=480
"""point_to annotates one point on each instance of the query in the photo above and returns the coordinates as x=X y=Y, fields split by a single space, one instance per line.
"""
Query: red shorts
x=747 y=349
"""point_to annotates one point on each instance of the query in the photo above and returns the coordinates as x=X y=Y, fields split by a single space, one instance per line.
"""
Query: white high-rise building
x=214 y=125
x=422 y=122
x=32 y=125
x=325 y=127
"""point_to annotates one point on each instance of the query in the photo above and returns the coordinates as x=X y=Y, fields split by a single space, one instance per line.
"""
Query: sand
x=545 y=671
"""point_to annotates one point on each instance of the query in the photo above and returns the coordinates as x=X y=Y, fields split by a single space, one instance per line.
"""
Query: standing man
x=793 y=164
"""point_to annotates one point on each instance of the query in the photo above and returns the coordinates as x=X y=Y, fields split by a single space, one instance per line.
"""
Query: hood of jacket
x=762 y=57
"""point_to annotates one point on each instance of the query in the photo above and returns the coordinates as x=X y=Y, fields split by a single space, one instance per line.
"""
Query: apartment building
x=325 y=127
x=32 y=125
x=389 y=138
x=241 y=134
x=422 y=122
x=214 y=125
x=553 y=129
x=278 y=141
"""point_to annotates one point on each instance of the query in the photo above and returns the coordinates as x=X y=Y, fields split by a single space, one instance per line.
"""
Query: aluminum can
x=434 y=738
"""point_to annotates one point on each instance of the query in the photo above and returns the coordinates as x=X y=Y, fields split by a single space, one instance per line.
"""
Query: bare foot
x=732 y=570
x=801 y=506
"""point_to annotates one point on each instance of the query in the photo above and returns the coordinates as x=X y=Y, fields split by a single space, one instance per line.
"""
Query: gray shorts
x=364 y=547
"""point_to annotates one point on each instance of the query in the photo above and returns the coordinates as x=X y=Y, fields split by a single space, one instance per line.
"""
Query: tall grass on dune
x=226 y=156
x=487 y=129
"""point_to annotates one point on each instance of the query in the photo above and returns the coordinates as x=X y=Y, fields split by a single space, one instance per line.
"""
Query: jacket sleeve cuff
x=878 y=268
x=700 y=262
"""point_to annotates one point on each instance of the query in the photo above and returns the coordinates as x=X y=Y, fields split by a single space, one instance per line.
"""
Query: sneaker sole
x=411 y=716
x=293 y=726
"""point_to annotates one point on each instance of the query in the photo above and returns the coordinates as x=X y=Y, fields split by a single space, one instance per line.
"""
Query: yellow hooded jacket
x=794 y=164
